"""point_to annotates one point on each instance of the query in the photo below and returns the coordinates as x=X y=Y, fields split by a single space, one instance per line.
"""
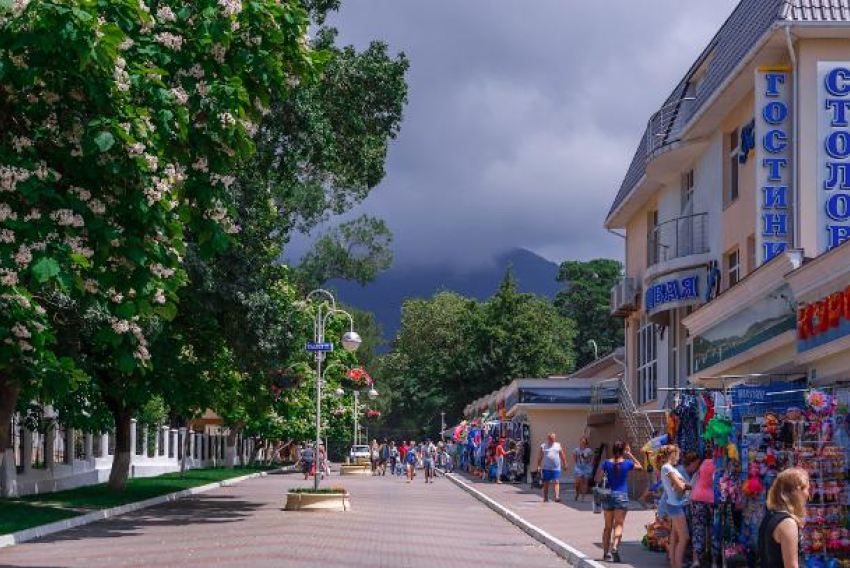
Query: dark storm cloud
x=523 y=116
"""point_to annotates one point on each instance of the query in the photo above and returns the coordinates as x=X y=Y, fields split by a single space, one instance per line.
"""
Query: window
x=653 y=248
x=647 y=362
x=733 y=161
x=751 y=253
x=733 y=268
x=688 y=193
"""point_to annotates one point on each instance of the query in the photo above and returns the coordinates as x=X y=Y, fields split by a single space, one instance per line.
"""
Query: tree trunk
x=10 y=390
x=258 y=447
x=120 y=471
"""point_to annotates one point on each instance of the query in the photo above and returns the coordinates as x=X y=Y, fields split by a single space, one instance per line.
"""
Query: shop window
x=732 y=175
x=733 y=268
x=647 y=371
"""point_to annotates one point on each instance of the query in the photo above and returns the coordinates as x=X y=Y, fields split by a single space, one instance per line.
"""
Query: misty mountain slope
x=386 y=294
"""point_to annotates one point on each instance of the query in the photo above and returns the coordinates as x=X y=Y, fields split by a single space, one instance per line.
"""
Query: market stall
x=751 y=433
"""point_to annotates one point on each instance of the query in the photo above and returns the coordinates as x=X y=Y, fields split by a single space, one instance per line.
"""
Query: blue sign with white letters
x=674 y=291
x=324 y=347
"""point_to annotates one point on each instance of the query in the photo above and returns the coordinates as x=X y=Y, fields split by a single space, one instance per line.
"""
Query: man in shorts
x=410 y=458
x=307 y=458
x=429 y=458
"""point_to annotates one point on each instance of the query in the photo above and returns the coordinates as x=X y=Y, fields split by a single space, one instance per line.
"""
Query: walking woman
x=616 y=504
x=410 y=459
x=583 y=457
x=549 y=463
x=779 y=534
x=675 y=487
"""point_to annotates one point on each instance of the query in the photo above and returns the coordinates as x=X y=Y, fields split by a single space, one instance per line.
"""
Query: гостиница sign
x=773 y=163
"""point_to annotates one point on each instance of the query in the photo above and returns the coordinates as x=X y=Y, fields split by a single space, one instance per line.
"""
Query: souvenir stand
x=752 y=432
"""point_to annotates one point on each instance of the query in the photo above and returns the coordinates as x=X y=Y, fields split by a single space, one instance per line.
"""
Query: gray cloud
x=523 y=117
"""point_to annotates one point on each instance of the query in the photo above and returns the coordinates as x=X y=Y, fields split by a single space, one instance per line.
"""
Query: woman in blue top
x=616 y=503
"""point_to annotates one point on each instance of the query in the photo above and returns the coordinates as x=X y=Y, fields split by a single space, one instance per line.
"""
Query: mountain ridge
x=385 y=295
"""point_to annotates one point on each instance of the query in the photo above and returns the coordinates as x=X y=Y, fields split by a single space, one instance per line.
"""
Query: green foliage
x=451 y=350
x=356 y=250
x=586 y=301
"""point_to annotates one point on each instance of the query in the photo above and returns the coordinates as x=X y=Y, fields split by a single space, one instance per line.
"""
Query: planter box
x=355 y=470
x=318 y=502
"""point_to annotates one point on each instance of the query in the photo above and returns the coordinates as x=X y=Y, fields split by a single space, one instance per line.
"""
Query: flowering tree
x=121 y=124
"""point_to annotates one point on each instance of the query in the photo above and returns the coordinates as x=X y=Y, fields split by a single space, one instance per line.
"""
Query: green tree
x=586 y=300
x=122 y=124
x=451 y=350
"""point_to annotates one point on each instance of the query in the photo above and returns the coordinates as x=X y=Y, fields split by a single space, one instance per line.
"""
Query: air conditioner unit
x=624 y=297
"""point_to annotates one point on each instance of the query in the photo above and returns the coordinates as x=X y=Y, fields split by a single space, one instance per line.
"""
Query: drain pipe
x=795 y=152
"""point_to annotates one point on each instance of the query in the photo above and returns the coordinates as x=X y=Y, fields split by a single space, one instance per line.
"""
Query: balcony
x=677 y=238
x=624 y=298
x=665 y=126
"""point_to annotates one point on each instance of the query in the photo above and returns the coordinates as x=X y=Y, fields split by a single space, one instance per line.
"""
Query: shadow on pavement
x=200 y=510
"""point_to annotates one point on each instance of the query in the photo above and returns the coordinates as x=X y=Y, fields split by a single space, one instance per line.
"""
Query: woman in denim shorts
x=615 y=505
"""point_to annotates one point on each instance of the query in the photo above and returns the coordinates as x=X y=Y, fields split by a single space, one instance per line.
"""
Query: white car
x=359 y=454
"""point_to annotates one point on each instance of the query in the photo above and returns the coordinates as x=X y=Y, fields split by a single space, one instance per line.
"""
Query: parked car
x=359 y=454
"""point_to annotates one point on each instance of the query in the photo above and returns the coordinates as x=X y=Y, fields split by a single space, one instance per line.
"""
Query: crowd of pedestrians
x=400 y=460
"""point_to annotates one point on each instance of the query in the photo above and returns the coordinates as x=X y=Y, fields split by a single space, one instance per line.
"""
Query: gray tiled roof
x=744 y=27
x=816 y=10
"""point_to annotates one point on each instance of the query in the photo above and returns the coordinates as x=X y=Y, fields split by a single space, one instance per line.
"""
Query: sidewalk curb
x=572 y=555
x=40 y=531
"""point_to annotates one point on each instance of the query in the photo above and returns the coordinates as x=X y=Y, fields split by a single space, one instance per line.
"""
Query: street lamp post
x=372 y=393
x=442 y=426
x=350 y=342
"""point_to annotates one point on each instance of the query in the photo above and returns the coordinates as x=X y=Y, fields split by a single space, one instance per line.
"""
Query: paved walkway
x=393 y=524
x=574 y=522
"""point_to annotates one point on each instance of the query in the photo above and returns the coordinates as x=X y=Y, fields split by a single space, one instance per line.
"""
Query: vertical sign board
x=833 y=189
x=773 y=162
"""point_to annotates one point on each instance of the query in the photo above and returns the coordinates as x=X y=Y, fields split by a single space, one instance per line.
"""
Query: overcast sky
x=523 y=116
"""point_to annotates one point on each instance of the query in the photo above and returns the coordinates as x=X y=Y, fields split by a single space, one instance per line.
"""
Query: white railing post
x=133 y=426
x=104 y=445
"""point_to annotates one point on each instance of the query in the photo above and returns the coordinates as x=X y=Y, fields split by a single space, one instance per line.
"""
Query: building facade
x=736 y=210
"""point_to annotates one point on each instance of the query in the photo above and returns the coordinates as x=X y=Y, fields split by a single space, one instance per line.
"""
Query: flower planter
x=318 y=502
x=355 y=469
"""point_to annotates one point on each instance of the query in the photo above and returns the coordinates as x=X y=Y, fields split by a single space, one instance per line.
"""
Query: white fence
x=64 y=458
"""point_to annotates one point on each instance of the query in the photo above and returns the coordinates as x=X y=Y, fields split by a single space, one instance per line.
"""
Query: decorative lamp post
x=350 y=342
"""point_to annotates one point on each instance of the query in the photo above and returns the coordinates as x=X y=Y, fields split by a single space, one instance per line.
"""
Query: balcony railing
x=678 y=237
x=665 y=125
x=624 y=297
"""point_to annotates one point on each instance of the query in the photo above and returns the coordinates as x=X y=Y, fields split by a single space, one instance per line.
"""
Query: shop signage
x=833 y=158
x=763 y=319
x=773 y=161
x=675 y=291
x=823 y=321
x=565 y=395
x=757 y=399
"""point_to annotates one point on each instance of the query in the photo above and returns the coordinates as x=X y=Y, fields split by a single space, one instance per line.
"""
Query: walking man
x=429 y=457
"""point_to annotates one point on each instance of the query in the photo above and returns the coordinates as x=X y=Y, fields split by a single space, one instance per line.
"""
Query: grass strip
x=34 y=510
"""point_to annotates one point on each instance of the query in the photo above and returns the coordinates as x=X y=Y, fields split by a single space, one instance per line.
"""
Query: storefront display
x=751 y=433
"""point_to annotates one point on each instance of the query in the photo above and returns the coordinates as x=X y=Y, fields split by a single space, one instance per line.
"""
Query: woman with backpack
x=615 y=504
x=780 y=531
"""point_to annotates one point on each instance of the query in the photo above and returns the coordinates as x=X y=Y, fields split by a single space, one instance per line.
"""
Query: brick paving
x=393 y=524
x=574 y=522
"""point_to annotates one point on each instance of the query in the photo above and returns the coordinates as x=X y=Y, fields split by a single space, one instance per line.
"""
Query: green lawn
x=37 y=510
x=16 y=516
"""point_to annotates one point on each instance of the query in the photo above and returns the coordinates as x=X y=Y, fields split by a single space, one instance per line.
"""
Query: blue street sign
x=319 y=347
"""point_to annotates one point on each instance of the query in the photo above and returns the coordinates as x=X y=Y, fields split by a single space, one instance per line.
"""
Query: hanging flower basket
x=338 y=411
x=372 y=413
x=358 y=377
